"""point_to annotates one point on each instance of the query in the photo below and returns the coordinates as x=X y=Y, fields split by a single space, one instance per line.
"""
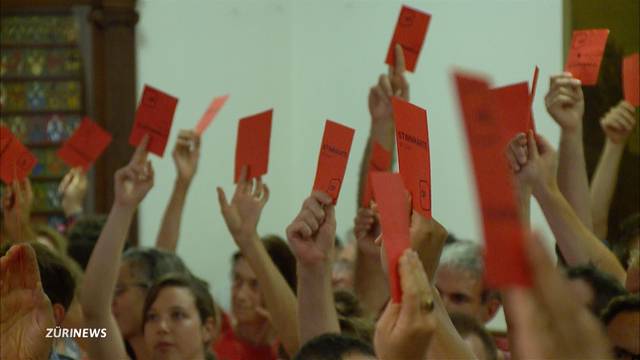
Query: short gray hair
x=464 y=255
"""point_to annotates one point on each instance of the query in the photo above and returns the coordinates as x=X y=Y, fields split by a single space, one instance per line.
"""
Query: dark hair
x=629 y=229
x=351 y=316
x=150 y=264
x=282 y=257
x=57 y=280
x=630 y=302
x=333 y=347
x=467 y=325
x=83 y=235
x=604 y=286
x=198 y=288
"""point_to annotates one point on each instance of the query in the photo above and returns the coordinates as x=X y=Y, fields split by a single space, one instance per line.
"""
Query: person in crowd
x=622 y=321
x=593 y=287
x=336 y=347
x=83 y=235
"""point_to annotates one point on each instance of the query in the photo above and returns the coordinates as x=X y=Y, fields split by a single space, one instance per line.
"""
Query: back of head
x=57 y=279
x=334 y=347
x=603 y=286
x=630 y=302
x=282 y=258
x=351 y=316
x=467 y=326
x=629 y=231
x=149 y=264
x=83 y=235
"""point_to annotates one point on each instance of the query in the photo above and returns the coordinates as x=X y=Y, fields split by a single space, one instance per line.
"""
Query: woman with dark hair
x=179 y=318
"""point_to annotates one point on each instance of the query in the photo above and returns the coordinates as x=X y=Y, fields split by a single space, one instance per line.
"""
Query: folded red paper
x=631 y=79
x=380 y=160
x=412 y=136
x=532 y=94
x=512 y=104
x=154 y=117
x=212 y=111
x=252 y=146
x=585 y=54
x=333 y=158
x=410 y=32
x=393 y=210
x=85 y=145
x=16 y=161
x=505 y=261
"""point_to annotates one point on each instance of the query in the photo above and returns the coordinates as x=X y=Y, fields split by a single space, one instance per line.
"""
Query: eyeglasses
x=122 y=288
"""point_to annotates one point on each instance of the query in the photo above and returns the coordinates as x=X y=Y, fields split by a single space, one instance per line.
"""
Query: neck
x=139 y=347
x=256 y=333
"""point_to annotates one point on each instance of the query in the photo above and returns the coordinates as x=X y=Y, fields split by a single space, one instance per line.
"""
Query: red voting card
x=380 y=160
x=16 y=161
x=412 y=137
x=85 y=145
x=513 y=108
x=505 y=260
x=333 y=158
x=211 y=112
x=585 y=54
x=631 y=79
x=154 y=117
x=394 y=220
x=252 y=146
x=410 y=32
x=532 y=94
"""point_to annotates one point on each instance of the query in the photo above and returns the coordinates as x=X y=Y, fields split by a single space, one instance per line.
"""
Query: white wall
x=313 y=60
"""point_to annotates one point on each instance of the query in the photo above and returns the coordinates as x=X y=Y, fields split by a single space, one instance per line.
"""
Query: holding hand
x=243 y=214
x=186 y=154
x=404 y=330
x=541 y=166
x=133 y=182
x=393 y=84
x=17 y=201
x=565 y=102
x=367 y=229
x=618 y=122
x=26 y=310
x=312 y=233
x=73 y=189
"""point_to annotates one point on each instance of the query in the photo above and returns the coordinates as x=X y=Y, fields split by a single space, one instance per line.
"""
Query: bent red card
x=505 y=261
x=379 y=160
x=154 y=117
x=512 y=104
x=333 y=158
x=631 y=79
x=532 y=94
x=212 y=111
x=585 y=54
x=410 y=32
x=16 y=161
x=252 y=146
x=85 y=145
x=393 y=211
x=412 y=136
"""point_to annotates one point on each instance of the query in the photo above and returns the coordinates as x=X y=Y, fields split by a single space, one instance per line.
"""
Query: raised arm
x=577 y=243
x=427 y=239
x=132 y=183
x=185 y=156
x=17 y=201
x=617 y=125
x=73 y=189
x=516 y=153
x=242 y=216
x=565 y=104
x=311 y=236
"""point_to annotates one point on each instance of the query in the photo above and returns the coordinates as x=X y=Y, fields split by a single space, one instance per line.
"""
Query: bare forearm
x=572 y=175
x=101 y=274
x=170 y=228
x=278 y=296
x=603 y=186
x=370 y=283
x=316 y=309
x=428 y=243
x=577 y=244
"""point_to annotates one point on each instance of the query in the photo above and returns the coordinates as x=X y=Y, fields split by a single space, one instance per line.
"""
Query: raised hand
x=17 y=201
x=312 y=233
x=393 y=84
x=26 y=310
x=541 y=166
x=186 y=155
x=133 y=182
x=618 y=122
x=243 y=213
x=367 y=229
x=565 y=102
x=73 y=189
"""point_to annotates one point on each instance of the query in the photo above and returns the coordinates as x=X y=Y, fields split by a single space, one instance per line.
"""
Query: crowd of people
x=310 y=296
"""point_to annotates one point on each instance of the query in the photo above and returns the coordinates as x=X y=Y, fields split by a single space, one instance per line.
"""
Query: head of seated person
x=335 y=347
x=622 y=324
x=246 y=298
x=140 y=268
x=57 y=280
x=594 y=287
x=459 y=279
x=179 y=318
x=627 y=248
x=351 y=316
x=343 y=269
x=476 y=336
x=83 y=235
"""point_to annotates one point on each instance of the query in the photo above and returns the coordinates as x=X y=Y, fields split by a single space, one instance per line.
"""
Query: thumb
x=532 y=146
